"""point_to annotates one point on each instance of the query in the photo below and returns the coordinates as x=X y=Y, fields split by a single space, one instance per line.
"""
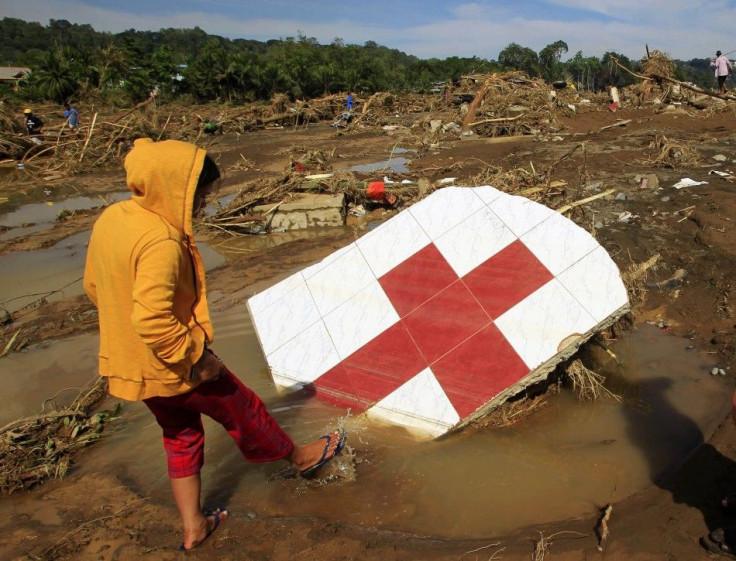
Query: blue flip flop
x=342 y=437
x=216 y=513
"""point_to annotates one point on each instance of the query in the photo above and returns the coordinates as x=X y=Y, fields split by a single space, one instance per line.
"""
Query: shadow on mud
x=704 y=477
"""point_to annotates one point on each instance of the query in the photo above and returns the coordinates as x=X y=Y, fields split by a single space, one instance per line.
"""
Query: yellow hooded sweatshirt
x=146 y=277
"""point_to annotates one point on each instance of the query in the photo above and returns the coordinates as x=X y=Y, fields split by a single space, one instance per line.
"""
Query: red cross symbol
x=447 y=325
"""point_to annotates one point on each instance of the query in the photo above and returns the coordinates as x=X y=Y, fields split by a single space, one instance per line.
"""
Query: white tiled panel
x=360 y=319
x=394 y=242
x=538 y=324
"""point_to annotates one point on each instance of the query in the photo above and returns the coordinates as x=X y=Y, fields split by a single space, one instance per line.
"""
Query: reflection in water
x=567 y=460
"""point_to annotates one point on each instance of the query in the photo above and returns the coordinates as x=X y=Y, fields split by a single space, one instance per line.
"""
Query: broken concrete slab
x=443 y=312
x=305 y=211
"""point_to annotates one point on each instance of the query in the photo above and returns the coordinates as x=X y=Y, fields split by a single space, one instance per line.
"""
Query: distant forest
x=72 y=62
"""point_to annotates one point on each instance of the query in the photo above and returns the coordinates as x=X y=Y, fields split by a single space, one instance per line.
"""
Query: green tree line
x=71 y=61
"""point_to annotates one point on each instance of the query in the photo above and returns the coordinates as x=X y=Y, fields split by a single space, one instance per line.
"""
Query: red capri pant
x=230 y=403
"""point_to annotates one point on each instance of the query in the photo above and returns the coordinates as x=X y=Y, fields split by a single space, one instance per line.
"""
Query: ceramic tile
x=340 y=280
x=392 y=353
x=487 y=193
x=541 y=325
x=374 y=371
x=312 y=270
x=288 y=316
x=558 y=243
x=360 y=319
x=445 y=321
x=350 y=387
x=303 y=358
x=519 y=213
x=417 y=279
x=506 y=278
x=395 y=241
x=595 y=282
x=445 y=209
x=474 y=240
x=478 y=370
x=262 y=300
x=421 y=402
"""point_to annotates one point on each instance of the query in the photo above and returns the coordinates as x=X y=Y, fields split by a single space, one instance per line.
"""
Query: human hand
x=208 y=367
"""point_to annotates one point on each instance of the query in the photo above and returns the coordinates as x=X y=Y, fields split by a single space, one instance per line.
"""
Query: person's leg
x=183 y=437
x=257 y=434
x=197 y=525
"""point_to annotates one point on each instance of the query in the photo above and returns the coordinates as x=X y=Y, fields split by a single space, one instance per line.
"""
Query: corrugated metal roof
x=13 y=72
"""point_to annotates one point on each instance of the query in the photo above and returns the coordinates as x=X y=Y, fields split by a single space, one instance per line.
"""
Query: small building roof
x=13 y=72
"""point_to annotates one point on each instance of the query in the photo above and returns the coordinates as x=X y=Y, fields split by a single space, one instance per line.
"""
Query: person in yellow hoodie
x=146 y=278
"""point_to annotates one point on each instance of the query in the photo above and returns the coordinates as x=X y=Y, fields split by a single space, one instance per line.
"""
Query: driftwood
x=496 y=120
x=662 y=78
x=134 y=109
x=480 y=94
x=565 y=208
x=614 y=125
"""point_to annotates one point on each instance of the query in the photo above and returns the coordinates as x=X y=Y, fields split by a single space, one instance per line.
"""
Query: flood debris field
x=651 y=178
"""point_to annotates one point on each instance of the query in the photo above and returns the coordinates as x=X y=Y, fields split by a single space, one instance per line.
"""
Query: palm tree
x=54 y=79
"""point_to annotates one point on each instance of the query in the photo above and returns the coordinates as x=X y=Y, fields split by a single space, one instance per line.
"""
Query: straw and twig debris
x=674 y=154
x=34 y=449
x=587 y=384
x=516 y=409
x=56 y=550
x=543 y=544
x=493 y=556
x=602 y=527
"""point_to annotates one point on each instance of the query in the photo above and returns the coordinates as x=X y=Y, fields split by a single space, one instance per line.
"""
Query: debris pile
x=34 y=449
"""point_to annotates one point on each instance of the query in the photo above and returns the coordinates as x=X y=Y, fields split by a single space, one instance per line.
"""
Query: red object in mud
x=376 y=190
x=613 y=106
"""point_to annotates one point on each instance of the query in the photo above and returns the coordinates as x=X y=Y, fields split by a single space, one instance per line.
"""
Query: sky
x=683 y=29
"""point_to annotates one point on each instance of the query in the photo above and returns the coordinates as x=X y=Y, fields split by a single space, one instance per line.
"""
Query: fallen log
x=616 y=124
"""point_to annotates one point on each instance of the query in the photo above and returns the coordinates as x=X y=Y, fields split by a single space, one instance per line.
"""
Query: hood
x=163 y=177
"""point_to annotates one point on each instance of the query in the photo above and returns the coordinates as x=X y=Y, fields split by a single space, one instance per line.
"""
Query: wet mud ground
x=102 y=511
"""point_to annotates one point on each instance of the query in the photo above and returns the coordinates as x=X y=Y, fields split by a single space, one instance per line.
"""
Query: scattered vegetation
x=75 y=62
x=41 y=447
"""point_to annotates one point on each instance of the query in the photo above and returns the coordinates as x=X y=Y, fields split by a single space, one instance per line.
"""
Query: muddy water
x=56 y=273
x=47 y=211
x=567 y=460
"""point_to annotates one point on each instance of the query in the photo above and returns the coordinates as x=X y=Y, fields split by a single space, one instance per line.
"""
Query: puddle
x=34 y=217
x=57 y=272
x=46 y=212
x=394 y=165
x=565 y=461
x=236 y=247
x=27 y=276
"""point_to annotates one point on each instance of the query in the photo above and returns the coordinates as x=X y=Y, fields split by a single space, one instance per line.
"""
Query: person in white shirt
x=723 y=68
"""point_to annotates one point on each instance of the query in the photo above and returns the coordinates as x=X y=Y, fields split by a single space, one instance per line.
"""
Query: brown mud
x=102 y=517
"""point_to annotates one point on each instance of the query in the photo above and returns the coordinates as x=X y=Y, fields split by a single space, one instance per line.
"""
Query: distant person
x=34 y=126
x=723 y=68
x=146 y=277
x=72 y=116
x=350 y=101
